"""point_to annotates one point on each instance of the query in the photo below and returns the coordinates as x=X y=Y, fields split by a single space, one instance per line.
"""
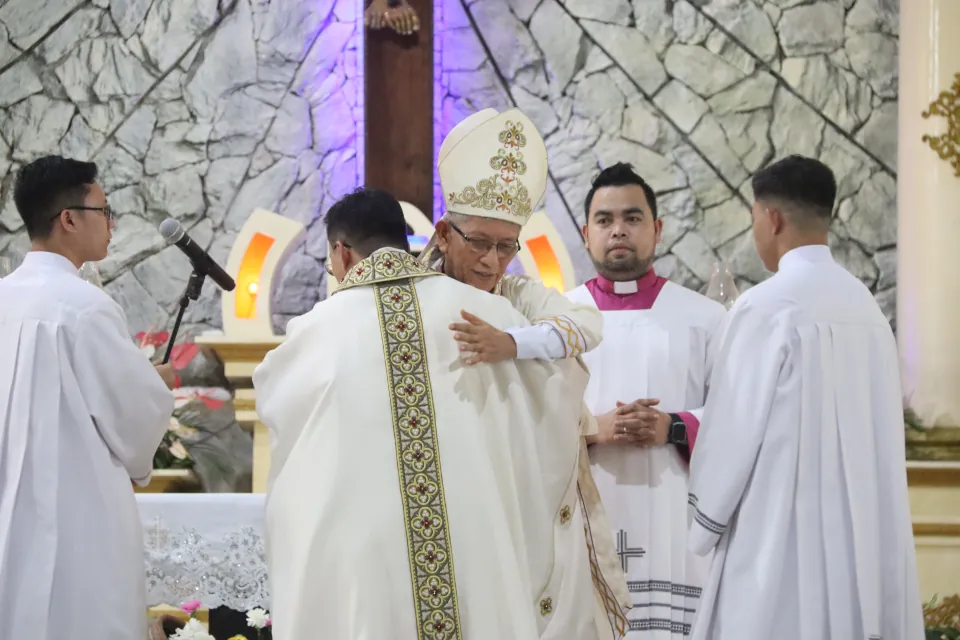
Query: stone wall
x=198 y=109
x=697 y=95
x=207 y=109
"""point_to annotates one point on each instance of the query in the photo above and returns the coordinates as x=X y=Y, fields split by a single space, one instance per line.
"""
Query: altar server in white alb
x=799 y=476
x=648 y=383
x=493 y=172
x=82 y=412
x=407 y=488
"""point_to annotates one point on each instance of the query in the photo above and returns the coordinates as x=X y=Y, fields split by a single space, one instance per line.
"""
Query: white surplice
x=82 y=412
x=338 y=541
x=664 y=352
x=798 y=476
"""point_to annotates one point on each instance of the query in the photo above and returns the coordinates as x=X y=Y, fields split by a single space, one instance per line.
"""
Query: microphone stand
x=192 y=292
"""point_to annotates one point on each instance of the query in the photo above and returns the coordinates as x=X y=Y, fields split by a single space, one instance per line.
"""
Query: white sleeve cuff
x=539 y=341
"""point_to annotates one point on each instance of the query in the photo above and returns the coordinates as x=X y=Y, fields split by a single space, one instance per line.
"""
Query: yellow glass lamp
x=262 y=244
x=544 y=254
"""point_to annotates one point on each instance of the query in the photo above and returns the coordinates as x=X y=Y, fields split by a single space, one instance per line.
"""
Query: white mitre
x=494 y=165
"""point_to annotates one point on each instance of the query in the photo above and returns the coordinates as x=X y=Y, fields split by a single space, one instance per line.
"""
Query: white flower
x=257 y=618
x=193 y=631
x=148 y=350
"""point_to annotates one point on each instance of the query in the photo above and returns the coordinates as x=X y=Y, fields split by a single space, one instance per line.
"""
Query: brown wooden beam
x=399 y=110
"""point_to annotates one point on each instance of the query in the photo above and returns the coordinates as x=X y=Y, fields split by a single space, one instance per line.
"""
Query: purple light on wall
x=359 y=110
x=440 y=128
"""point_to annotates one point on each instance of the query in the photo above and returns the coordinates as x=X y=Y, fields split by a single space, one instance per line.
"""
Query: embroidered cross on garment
x=626 y=552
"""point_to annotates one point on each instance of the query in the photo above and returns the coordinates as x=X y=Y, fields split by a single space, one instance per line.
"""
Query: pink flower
x=191 y=607
x=269 y=622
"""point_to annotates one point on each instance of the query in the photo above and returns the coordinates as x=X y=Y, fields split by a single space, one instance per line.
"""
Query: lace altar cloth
x=205 y=546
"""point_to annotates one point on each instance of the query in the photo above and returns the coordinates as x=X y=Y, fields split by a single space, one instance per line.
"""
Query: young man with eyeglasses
x=81 y=415
x=493 y=170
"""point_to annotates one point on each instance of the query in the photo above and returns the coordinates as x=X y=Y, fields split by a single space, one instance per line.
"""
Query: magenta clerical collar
x=628 y=287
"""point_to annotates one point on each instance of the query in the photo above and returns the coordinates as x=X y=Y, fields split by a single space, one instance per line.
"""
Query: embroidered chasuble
x=799 y=480
x=412 y=497
x=658 y=342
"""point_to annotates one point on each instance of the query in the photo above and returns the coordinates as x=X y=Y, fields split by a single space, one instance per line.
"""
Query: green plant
x=942 y=619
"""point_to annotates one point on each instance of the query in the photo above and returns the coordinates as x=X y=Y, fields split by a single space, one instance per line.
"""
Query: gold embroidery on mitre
x=503 y=191
x=565 y=514
x=947 y=145
x=430 y=552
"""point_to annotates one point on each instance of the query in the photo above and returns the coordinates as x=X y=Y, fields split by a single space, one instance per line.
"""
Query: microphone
x=173 y=232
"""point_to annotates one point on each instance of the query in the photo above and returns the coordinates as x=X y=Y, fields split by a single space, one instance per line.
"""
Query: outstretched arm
x=561 y=328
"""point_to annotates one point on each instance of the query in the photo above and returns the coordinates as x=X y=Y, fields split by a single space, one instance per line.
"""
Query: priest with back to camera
x=493 y=172
x=408 y=490
x=82 y=412
x=648 y=384
x=798 y=478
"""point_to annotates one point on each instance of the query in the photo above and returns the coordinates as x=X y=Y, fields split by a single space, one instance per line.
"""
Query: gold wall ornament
x=947 y=145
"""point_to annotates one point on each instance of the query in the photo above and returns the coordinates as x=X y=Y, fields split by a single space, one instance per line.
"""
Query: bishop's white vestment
x=799 y=477
x=659 y=341
x=412 y=496
x=82 y=412
x=563 y=328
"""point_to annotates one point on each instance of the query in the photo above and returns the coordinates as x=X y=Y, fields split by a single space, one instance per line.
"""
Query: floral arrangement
x=942 y=619
x=193 y=630
x=257 y=618
x=171 y=454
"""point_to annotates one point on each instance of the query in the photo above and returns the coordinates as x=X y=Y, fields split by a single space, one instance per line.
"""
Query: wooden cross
x=625 y=552
x=398 y=104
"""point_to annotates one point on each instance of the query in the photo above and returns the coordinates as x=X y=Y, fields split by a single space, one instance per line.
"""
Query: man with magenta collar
x=648 y=385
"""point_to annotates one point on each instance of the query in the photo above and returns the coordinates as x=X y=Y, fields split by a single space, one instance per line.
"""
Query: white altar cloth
x=205 y=546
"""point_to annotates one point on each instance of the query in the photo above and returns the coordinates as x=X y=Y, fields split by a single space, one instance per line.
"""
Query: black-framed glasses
x=105 y=210
x=482 y=246
x=326 y=264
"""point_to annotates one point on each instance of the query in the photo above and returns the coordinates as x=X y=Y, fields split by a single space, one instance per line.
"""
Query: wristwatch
x=677 y=433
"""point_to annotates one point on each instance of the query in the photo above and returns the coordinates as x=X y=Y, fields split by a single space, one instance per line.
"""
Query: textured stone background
x=697 y=95
x=197 y=109
x=205 y=110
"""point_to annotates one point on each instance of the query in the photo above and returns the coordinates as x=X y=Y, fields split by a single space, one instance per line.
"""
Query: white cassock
x=380 y=526
x=799 y=478
x=655 y=345
x=82 y=412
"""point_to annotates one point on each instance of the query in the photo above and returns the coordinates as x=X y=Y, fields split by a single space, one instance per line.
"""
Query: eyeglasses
x=326 y=264
x=482 y=246
x=105 y=210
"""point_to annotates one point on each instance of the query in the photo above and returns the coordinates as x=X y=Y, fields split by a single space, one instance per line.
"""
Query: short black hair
x=620 y=174
x=805 y=185
x=367 y=220
x=47 y=186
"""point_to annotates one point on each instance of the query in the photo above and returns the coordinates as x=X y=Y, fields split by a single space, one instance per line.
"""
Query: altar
x=205 y=546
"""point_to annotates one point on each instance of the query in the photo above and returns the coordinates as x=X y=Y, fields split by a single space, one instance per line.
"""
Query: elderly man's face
x=478 y=250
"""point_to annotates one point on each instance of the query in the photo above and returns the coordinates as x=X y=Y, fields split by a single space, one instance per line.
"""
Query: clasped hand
x=637 y=423
x=482 y=342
